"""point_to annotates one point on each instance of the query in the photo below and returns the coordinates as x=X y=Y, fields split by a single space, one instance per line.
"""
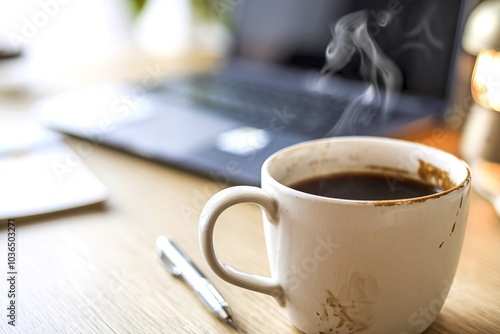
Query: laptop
x=297 y=70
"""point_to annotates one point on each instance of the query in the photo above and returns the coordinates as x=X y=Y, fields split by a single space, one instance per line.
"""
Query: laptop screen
x=420 y=37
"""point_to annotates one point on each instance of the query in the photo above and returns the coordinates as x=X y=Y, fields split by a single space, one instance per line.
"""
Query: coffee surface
x=365 y=186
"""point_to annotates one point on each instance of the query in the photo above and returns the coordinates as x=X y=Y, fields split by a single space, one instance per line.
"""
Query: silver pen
x=179 y=264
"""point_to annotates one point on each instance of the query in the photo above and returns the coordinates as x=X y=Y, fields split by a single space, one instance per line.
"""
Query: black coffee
x=365 y=186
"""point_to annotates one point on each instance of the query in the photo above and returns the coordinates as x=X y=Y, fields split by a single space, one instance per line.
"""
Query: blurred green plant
x=137 y=5
x=202 y=10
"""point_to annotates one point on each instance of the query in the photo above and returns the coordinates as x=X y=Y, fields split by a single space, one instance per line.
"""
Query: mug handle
x=209 y=215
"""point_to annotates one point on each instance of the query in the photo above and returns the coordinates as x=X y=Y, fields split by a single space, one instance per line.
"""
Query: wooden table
x=93 y=270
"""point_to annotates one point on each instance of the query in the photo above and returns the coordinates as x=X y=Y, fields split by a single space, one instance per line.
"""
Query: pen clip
x=171 y=268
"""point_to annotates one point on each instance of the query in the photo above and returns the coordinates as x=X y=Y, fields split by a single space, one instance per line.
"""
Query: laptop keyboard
x=264 y=105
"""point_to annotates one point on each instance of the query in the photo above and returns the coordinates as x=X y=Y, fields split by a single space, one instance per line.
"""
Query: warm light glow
x=486 y=79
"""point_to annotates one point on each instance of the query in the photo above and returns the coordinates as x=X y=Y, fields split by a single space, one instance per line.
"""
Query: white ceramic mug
x=349 y=266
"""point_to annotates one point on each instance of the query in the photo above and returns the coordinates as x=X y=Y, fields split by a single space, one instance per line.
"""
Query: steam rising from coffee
x=351 y=36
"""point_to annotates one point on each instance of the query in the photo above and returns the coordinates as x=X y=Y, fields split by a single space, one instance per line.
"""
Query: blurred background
x=48 y=47
x=64 y=44
x=52 y=45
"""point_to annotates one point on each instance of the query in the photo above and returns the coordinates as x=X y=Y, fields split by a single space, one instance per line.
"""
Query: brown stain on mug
x=434 y=175
x=431 y=174
x=357 y=307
